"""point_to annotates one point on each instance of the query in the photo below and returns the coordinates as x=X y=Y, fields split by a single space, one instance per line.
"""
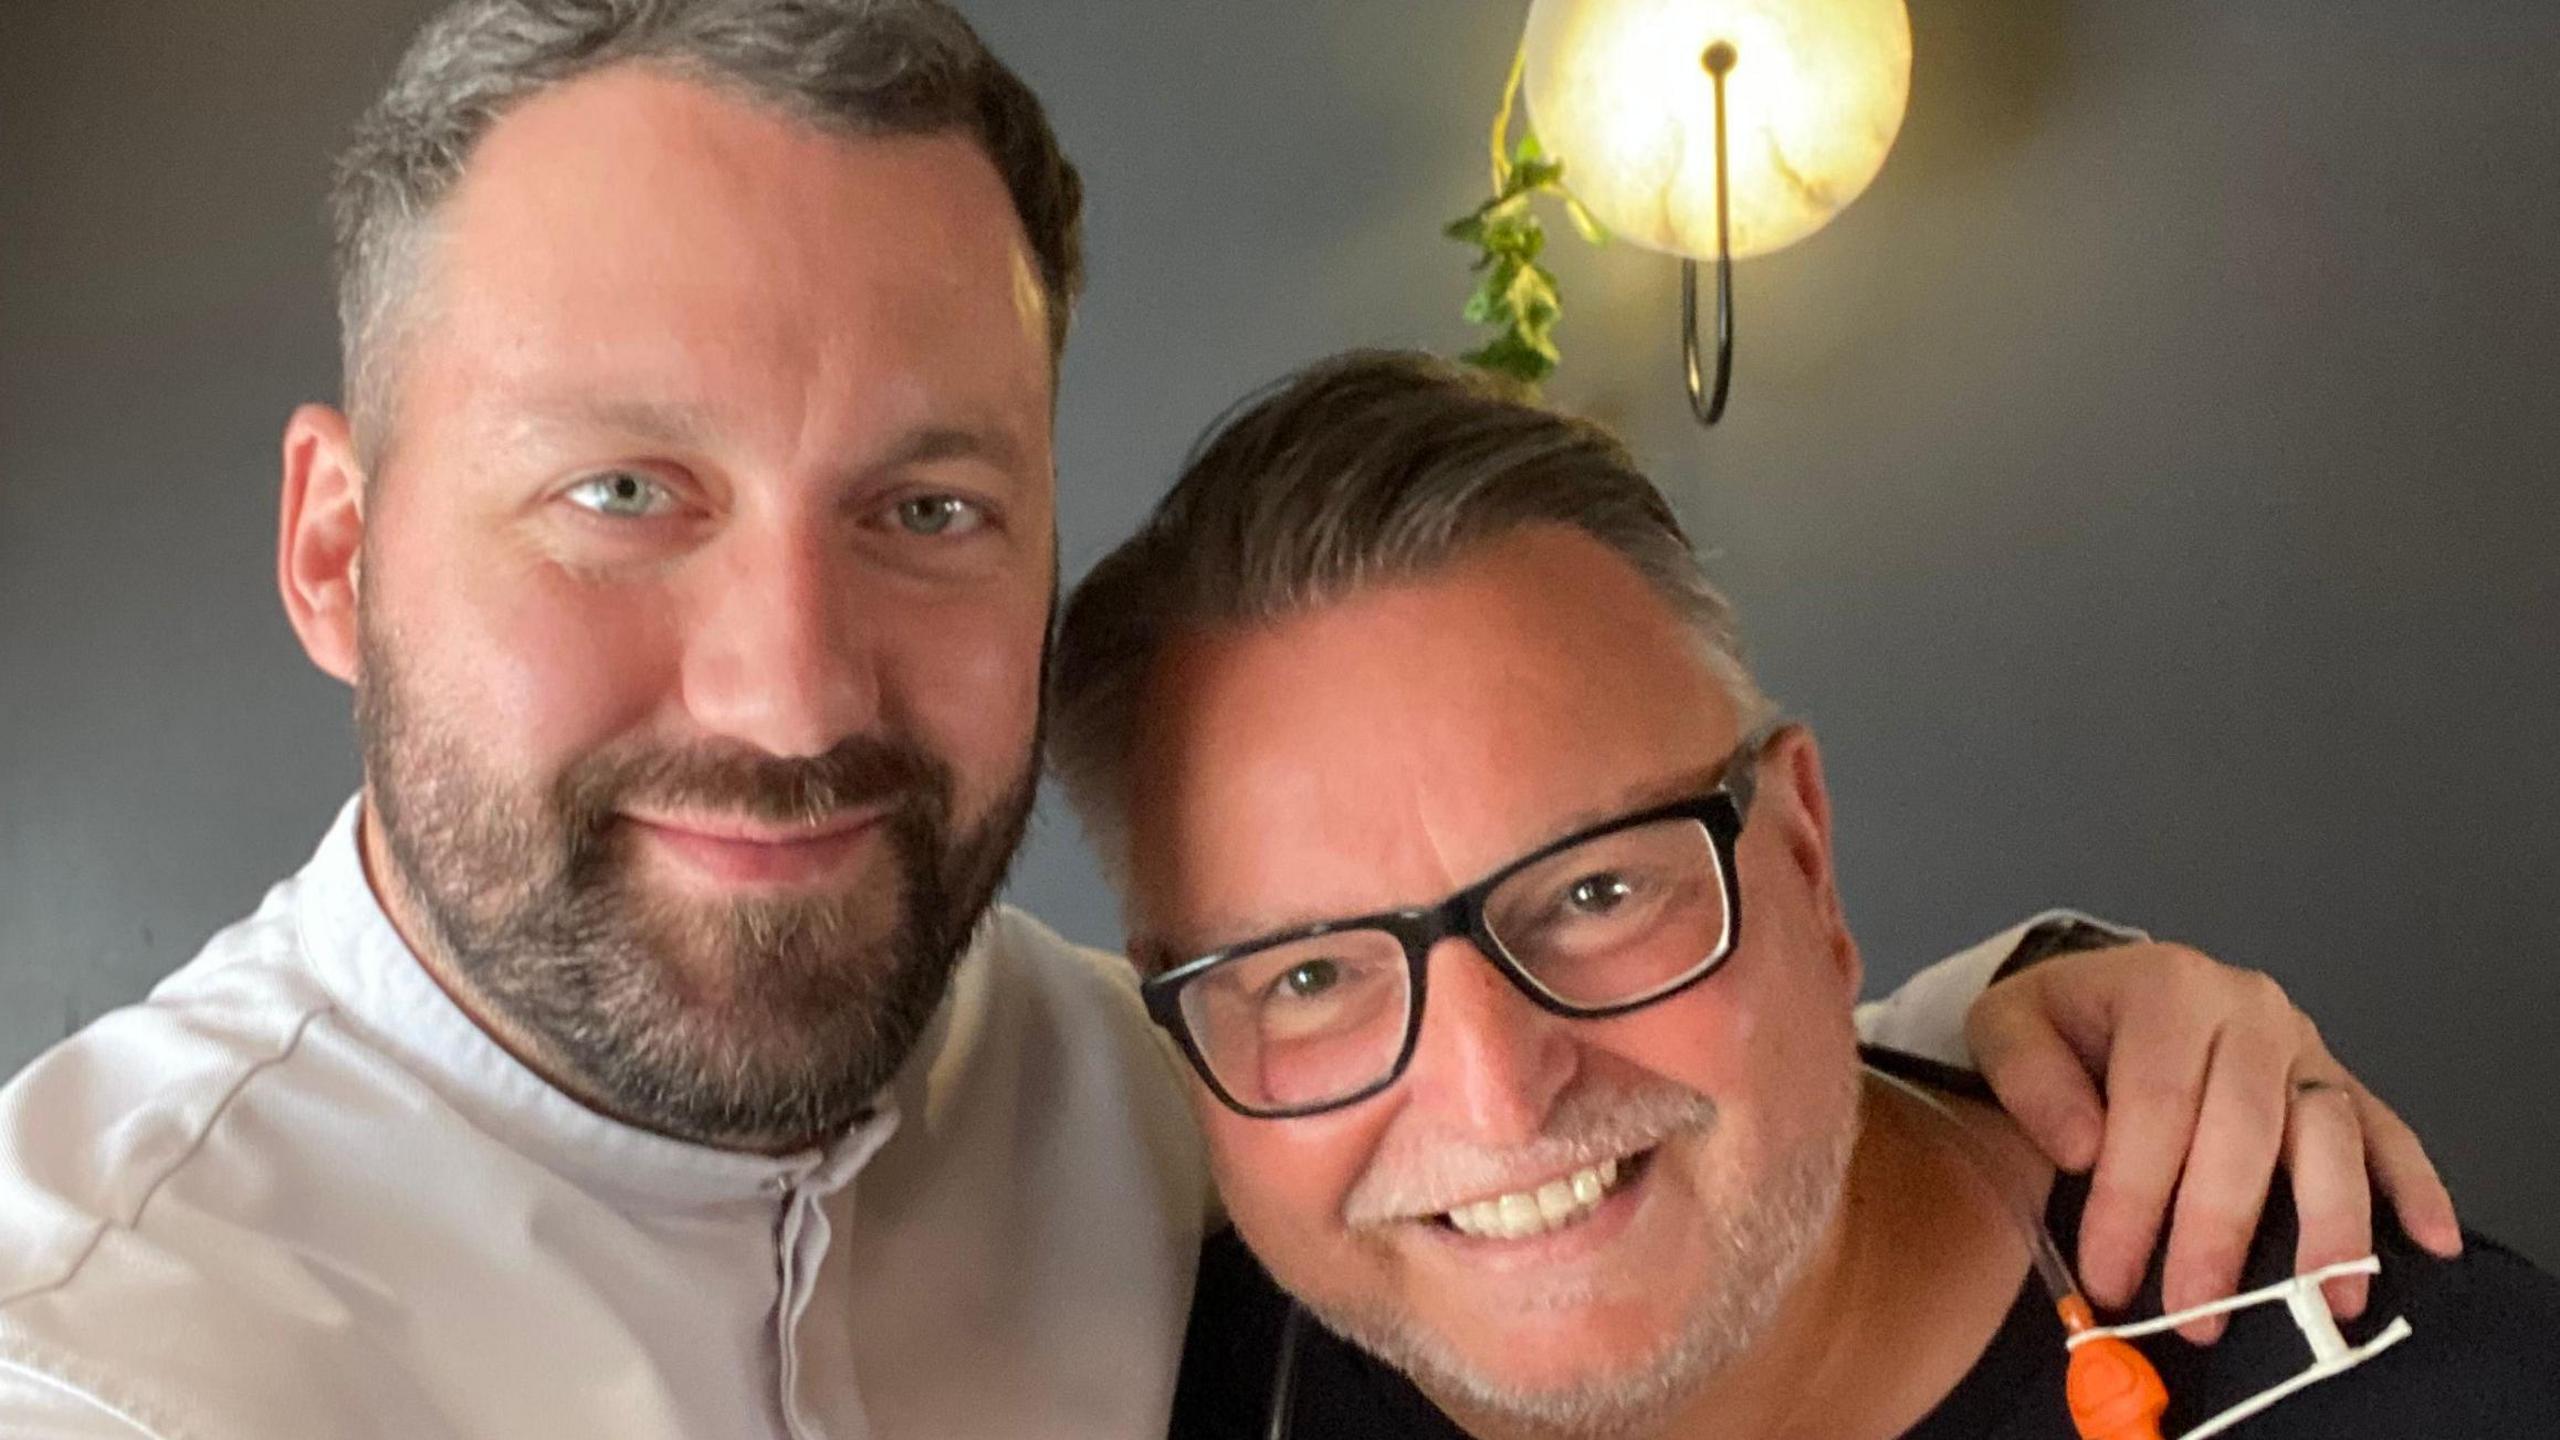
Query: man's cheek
x=1286 y=1198
x=553 y=670
x=971 y=682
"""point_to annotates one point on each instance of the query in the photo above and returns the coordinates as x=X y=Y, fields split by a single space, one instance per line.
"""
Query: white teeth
x=1551 y=1206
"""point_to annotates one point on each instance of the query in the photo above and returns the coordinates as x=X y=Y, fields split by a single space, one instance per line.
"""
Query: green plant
x=1514 y=293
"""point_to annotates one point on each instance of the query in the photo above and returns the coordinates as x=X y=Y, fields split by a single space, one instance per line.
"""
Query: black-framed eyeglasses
x=1608 y=919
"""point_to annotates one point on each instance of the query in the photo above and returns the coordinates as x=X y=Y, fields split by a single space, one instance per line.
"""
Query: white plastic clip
x=2330 y=1352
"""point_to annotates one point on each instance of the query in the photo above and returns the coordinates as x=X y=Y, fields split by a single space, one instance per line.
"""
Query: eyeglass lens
x=1614 y=921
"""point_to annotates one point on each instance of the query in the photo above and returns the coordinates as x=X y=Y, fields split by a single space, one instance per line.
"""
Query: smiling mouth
x=736 y=851
x=742 y=831
x=1558 y=1204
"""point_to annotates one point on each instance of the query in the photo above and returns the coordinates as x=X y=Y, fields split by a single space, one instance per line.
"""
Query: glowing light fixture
x=1716 y=129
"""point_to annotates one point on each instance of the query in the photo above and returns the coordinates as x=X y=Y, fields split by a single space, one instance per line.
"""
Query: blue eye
x=622 y=494
x=939 y=515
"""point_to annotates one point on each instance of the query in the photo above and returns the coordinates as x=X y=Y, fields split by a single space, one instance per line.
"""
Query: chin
x=1595 y=1388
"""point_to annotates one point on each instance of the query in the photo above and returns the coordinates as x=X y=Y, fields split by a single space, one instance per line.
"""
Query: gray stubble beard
x=1759 y=1252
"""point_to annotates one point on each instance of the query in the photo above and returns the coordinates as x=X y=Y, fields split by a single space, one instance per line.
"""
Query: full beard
x=759 y=1022
x=1758 y=1248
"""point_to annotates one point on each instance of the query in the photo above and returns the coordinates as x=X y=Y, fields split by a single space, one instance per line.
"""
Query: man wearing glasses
x=1495 y=913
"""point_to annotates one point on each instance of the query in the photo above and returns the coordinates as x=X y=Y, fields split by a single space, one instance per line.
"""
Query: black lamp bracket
x=1707 y=401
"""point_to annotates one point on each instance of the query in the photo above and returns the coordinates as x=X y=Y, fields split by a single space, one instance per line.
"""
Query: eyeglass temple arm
x=1742 y=773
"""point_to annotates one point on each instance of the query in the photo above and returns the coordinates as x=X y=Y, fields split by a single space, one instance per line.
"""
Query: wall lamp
x=1716 y=130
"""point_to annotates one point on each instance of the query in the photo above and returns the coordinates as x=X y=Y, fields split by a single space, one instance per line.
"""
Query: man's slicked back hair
x=1369 y=468
x=852 y=67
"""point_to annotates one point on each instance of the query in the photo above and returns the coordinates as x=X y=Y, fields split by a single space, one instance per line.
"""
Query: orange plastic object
x=2114 y=1393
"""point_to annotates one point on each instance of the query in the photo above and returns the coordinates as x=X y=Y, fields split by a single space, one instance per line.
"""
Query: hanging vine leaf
x=1515 y=296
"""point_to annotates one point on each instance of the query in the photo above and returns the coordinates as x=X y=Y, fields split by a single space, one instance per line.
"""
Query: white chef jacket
x=296 y=1192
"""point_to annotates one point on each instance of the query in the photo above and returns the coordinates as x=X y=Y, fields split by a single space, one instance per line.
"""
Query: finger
x=2155 y=1083
x=2240 y=1130
x=2407 y=1177
x=2038 y=1078
x=2332 y=1197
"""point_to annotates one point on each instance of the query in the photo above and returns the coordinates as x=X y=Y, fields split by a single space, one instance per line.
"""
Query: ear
x=320 y=536
x=1796 y=804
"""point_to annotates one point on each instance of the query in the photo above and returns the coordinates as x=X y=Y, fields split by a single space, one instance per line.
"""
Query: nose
x=1489 y=1061
x=776 y=653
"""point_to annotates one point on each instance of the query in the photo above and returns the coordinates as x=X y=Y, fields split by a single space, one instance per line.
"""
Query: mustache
x=1431 y=1173
x=858 y=772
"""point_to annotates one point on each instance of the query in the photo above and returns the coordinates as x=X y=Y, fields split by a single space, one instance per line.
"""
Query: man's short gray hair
x=855 y=67
x=1364 y=469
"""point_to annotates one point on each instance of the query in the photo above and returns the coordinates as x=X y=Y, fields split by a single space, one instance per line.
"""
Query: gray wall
x=2147 y=488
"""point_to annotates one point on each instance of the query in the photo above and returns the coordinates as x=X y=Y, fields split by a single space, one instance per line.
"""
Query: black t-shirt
x=2480 y=1365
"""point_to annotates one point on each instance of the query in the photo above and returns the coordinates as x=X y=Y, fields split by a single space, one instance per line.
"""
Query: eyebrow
x=951 y=442
x=656 y=422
